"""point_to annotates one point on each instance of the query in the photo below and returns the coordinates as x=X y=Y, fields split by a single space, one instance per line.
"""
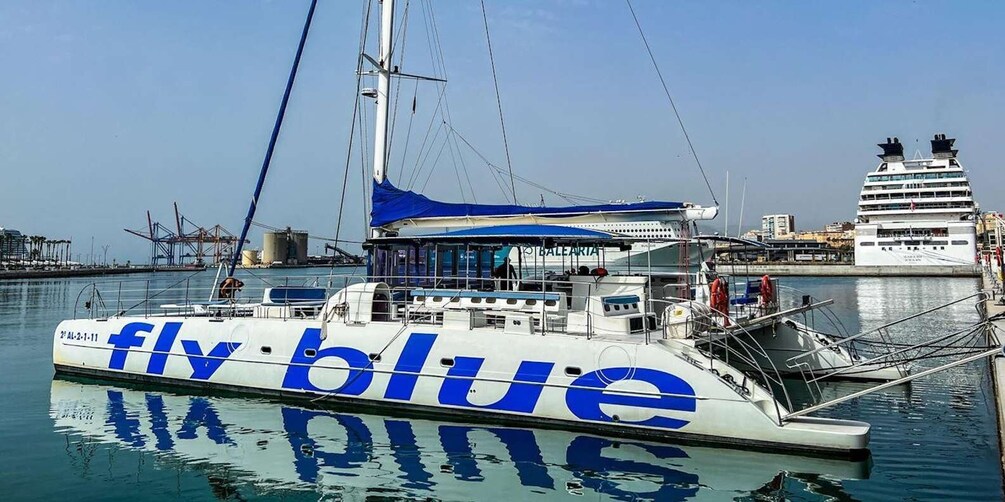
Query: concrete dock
x=846 y=270
x=997 y=364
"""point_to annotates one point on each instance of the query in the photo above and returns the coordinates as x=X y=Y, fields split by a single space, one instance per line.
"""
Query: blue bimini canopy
x=391 y=204
x=532 y=231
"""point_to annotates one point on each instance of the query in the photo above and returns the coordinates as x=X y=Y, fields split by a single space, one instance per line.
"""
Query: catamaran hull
x=638 y=389
x=793 y=349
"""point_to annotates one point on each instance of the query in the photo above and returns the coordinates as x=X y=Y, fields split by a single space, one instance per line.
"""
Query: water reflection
x=260 y=446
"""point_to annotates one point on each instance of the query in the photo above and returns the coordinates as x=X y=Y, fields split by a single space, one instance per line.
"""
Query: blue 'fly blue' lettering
x=357 y=381
x=165 y=340
x=410 y=363
x=585 y=403
x=125 y=339
x=521 y=396
x=203 y=367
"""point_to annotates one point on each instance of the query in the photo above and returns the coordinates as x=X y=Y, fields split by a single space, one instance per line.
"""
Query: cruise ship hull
x=958 y=246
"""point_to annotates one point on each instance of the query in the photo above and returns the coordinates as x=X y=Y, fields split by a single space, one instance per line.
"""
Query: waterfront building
x=989 y=230
x=12 y=245
x=839 y=226
x=916 y=212
x=777 y=226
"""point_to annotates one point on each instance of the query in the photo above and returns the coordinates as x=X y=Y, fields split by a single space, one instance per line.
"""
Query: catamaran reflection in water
x=257 y=443
x=438 y=328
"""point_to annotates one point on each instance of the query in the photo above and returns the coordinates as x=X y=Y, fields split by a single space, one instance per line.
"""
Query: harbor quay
x=994 y=312
x=848 y=270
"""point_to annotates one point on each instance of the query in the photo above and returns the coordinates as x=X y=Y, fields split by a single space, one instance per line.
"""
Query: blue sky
x=111 y=108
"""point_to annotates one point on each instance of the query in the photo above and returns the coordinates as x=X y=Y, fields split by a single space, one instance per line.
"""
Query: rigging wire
x=445 y=113
x=502 y=123
x=402 y=33
x=425 y=138
x=355 y=110
x=408 y=132
x=672 y=104
x=565 y=196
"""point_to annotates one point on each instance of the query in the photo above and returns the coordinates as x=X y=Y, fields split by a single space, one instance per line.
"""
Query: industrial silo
x=300 y=247
x=275 y=248
x=249 y=257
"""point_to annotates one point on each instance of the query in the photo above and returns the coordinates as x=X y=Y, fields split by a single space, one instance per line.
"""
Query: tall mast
x=383 y=91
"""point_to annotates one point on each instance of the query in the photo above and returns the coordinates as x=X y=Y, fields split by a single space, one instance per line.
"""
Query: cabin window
x=866 y=243
x=550 y=303
x=531 y=302
x=447 y=362
x=607 y=308
x=959 y=243
x=310 y=353
x=266 y=349
x=573 y=371
x=375 y=357
x=511 y=301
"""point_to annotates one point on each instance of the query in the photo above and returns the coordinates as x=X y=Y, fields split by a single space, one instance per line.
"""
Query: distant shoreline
x=87 y=272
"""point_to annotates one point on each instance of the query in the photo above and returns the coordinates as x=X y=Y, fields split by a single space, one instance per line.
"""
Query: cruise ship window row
x=915 y=176
x=901 y=186
x=915 y=245
x=913 y=232
x=916 y=195
x=916 y=206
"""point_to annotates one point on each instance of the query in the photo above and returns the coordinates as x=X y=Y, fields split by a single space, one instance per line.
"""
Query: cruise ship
x=916 y=212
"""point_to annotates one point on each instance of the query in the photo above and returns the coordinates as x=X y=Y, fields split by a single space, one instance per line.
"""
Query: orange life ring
x=767 y=290
x=719 y=300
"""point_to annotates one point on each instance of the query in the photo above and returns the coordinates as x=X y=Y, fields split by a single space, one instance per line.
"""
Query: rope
x=670 y=98
x=502 y=122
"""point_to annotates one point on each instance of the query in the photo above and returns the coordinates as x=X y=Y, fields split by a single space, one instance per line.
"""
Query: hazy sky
x=110 y=108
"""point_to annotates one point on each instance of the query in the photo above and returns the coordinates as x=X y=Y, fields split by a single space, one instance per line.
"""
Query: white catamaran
x=438 y=327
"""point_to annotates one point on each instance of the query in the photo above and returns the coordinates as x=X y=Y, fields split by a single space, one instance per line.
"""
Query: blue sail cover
x=391 y=204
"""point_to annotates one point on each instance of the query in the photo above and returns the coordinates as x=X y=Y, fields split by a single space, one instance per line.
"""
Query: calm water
x=932 y=440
